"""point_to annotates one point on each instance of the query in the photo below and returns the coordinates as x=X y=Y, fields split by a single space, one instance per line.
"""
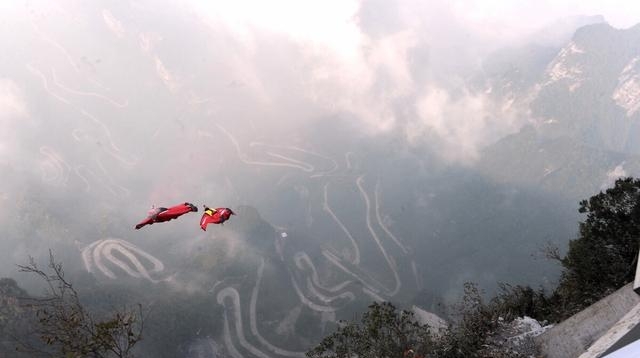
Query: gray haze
x=394 y=156
x=107 y=110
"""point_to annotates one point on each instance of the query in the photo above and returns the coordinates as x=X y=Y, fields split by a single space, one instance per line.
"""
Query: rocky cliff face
x=590 y=90
x=583 y=102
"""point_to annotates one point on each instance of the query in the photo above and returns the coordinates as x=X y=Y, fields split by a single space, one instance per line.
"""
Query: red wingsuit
x=163 y=214
x=215 y=216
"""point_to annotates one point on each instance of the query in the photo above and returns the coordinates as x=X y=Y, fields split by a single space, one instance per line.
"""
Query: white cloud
x=367 y=85
x=613 y=175
x=112 y=23
x=457 y=122
x=324 y=23
x=353 y=64
x=369 y=58
x=463 y=124
x=12 y=104
x=518 y=16
x=13 y=110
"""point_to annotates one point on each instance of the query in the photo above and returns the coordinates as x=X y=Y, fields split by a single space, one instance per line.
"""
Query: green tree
x=66 y=327
x=598 y=262
x=474 y=331
x=602 y=258
x=473 y=320
x=383 y=332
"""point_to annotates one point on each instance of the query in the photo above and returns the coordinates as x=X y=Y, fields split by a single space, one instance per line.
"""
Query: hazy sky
x=354 y=129
x=528 y=14
x=137 y=89
x=334 y=21
x=366 y=55
x=370 y=57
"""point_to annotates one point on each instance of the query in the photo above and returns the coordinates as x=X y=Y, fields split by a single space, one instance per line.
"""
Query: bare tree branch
x=66 y=327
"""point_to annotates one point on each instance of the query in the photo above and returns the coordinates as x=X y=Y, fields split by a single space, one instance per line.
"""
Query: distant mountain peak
x=591 y=89
x=589 y=33
x=560 y=31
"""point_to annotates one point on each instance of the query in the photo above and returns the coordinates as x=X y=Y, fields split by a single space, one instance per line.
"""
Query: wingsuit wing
x=214 y=216
x=167 y=214
x=175 y=211
x=204 y=221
